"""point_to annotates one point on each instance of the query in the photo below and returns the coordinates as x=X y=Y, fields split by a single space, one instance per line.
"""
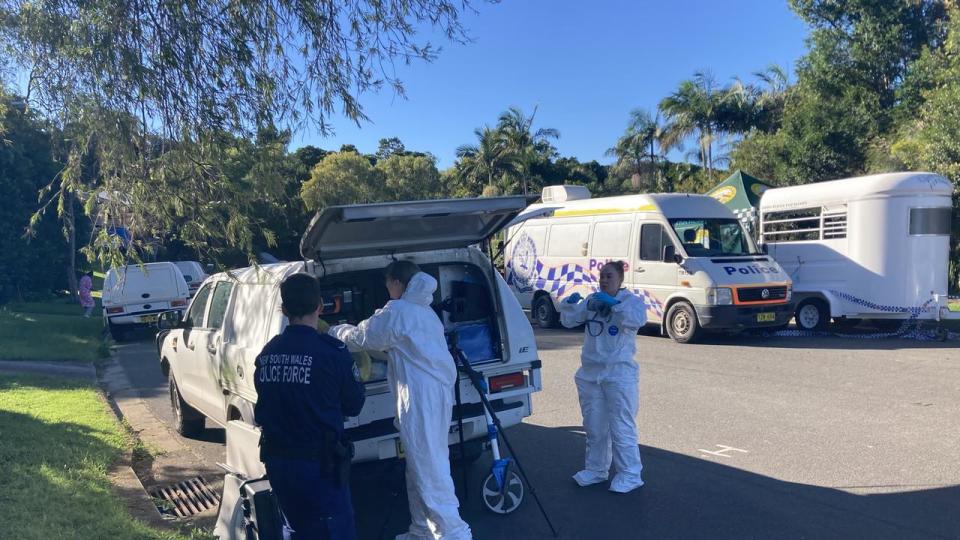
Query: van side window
x=611 y=239
x=194 y=318
x=653 y=238
x=218 y=305
x=568 y=240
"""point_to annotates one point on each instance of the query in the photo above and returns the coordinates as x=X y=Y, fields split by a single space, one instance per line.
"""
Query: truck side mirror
x=670 y=255
x=169 y=320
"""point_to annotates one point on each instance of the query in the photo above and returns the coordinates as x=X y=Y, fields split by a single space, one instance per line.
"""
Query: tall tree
x=138 y=80
x=483 y=163
x=523 y=141
x=637 y=149
x=694 y=109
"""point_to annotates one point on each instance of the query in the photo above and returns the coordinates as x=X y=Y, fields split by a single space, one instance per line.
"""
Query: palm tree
x=693 y=109
x=638 y=146
x=486 y=160
x=522 y=141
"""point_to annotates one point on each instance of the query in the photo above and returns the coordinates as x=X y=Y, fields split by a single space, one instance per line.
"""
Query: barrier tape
x=910 y=328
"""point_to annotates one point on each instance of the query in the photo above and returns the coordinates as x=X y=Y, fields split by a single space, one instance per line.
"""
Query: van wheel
x=118 y=333
x=682 y=323
x=544 y=312
x=187 y=420
x=812 y=315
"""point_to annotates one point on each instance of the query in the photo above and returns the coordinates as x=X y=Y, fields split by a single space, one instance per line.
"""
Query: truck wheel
x=544 y=312
x=682 y=323
x=187 y=420
x=118 y=333
x=812 y=315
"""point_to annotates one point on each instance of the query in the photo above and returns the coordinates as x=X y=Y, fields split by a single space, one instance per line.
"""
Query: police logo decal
x=613 y=330
x=523 y=263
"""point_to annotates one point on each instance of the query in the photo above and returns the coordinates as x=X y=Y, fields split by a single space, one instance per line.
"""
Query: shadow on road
x=684 y=497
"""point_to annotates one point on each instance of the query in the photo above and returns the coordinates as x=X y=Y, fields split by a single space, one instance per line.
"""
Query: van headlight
x=719 y=296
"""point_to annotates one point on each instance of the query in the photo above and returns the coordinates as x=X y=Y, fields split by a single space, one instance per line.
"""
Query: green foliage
x=150 y=94
x=350 y=178
x=35 y=263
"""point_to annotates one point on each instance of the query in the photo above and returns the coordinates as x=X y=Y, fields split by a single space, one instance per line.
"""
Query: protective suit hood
x=420 y=289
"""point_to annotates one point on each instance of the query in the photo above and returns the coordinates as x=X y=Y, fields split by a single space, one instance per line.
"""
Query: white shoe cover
x=588 y=478
x=622 y=484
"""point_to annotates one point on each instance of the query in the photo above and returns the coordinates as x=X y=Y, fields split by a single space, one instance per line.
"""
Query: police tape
x=910 y=328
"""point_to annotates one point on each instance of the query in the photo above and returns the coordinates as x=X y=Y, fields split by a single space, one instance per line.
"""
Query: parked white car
x=209 y=355
x=135 y=295
x=193 y=274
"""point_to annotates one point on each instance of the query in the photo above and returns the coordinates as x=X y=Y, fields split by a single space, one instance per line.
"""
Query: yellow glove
x=364 y=364
x=323 y=326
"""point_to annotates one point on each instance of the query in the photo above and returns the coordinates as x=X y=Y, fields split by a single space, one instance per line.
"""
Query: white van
x=193 y=274
x=687 y=255
x=874 y=247
x=209 y=358
x=135 y=295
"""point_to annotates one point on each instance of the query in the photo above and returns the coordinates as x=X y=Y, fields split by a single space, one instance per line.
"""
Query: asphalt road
x=741 y=437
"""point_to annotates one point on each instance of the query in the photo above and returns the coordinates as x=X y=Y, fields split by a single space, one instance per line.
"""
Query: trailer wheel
x=544 y=312
x=506 y=500
x=682 y=323
x=812 y=315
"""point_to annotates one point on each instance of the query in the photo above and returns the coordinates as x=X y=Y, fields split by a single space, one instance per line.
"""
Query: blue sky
x=585 y=65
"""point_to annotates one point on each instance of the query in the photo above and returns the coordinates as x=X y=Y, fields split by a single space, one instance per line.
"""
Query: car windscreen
x=713 y=237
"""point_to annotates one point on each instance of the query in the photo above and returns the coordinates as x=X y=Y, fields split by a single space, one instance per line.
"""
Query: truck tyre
x=187 y=420
x=118 y=333
x=682 y=323
x=544 y=312
x=812 y=315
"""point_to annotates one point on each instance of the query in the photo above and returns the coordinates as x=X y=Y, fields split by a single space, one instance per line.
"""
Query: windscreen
x=713 y=237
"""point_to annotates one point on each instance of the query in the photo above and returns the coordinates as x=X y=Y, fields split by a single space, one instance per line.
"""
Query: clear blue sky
x=586 y=65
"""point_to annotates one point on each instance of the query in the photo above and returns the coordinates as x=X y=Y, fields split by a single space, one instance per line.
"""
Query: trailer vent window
x=792 y=225
x=834 y=225
x=930 y=221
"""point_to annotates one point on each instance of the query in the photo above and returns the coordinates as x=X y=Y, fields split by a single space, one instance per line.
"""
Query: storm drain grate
x=185 y=498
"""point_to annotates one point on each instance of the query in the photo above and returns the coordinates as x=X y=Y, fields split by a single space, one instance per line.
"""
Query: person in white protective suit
x=421 y=373
x=609 y=378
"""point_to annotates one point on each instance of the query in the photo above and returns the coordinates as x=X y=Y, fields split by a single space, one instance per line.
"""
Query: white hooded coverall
x=608 y=386
x=421 y=373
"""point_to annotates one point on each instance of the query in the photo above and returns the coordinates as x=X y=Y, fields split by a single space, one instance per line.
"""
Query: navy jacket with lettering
x=306 y=383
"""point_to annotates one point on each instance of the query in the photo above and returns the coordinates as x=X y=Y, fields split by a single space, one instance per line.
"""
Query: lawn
x=51 y=331
x=58 y=439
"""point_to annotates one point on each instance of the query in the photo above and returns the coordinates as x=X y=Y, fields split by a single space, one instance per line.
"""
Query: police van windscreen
x=713 y=237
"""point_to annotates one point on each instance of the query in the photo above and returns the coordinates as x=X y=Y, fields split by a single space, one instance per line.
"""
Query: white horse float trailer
x=873 y=247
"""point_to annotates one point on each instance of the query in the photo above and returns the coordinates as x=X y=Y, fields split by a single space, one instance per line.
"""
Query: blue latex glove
x=604 y=298
x=573 y=298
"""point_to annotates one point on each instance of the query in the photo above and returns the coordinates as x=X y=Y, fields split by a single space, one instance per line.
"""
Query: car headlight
x=789 y=293
x=720 y=296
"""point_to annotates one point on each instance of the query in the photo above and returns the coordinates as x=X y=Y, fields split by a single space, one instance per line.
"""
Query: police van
x=687 y=256
x=209 y=354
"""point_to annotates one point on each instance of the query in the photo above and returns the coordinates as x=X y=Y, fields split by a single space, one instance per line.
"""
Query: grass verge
x=58 y=439
x=50 y=331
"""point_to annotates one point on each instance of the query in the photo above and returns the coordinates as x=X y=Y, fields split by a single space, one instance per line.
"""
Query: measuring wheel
x=505 y=500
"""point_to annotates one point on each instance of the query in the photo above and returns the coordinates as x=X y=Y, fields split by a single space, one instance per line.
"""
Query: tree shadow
x=684 y=497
